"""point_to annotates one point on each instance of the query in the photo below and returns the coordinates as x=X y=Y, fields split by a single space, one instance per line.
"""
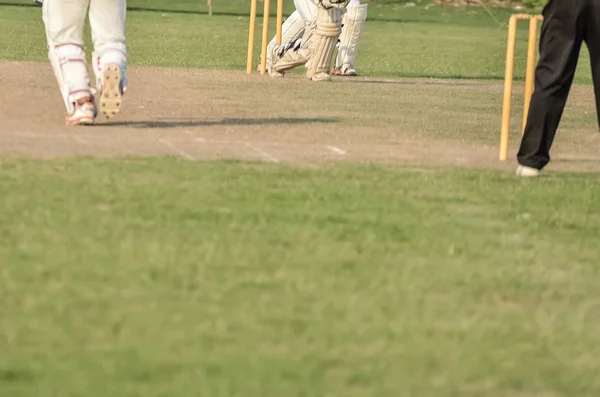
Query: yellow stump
x=265 y=33
x=509 y=74
x=508 y=79
x=251 y=36
x=265 y=37
x=209 y=7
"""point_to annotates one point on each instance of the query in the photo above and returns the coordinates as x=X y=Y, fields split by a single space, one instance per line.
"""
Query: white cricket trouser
x=65 y=21
x=307 y=9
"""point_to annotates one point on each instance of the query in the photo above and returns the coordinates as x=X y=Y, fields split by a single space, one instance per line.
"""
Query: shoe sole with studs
x=111 y=97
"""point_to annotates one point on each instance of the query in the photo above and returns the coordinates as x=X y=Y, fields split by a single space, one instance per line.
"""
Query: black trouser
x=567 y=24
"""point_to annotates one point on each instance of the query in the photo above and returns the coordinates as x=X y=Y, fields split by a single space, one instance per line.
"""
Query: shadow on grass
x=207 y=123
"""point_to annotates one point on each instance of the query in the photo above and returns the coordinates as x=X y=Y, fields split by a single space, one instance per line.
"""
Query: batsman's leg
x=307 y=10
x=107 y=20
x=293 y=54
x=353 y=24
x=292 y=29
x=317 y=45
x=64 y=22
x=324 y=40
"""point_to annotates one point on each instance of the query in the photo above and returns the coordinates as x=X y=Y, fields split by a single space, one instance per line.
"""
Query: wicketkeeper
x=313 y=31
x=64 y=21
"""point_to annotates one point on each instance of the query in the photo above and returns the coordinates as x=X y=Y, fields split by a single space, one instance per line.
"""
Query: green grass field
x=164 y=277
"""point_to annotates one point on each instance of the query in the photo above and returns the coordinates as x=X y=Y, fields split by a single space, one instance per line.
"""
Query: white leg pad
x=292 y=29
x=353 y=24
x=110 y=54
x=323 y=42
x=70 y=69
x=292 y=54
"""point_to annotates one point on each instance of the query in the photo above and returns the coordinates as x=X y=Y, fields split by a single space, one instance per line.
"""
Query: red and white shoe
x=111 y=95
x=345 y=71
x=84 y=114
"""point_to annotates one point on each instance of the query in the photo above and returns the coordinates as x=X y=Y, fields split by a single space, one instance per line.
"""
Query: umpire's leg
x=560 y=43
x=592 y=38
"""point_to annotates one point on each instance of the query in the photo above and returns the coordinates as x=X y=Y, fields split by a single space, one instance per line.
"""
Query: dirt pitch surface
x=200 y=114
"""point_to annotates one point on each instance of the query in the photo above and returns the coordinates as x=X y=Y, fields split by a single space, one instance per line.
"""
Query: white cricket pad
x=353 y=24
x=70 y=70
x=292 y=54
x=291 y=30
x=323 y=42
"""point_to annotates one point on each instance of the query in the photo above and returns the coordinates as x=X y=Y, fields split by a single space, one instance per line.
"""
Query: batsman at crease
x=311 y=34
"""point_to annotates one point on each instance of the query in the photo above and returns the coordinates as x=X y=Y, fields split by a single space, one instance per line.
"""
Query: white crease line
x=37 y=136
x=175 y=150
x=196 y=138
x=336 y=150
x=265 y=155
x=79 y=139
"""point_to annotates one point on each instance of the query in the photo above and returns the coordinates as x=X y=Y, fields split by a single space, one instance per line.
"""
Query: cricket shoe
x=269 y=64
x=321 y=76
x=84 y=114
x=527 y=172
x=276 y=54
x=111 y=92
x=272 y=72
x=345 y=71
x=269 y=69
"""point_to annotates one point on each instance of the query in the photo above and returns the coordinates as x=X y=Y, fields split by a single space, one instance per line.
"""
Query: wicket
x=265 y=33
x=508 y=77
